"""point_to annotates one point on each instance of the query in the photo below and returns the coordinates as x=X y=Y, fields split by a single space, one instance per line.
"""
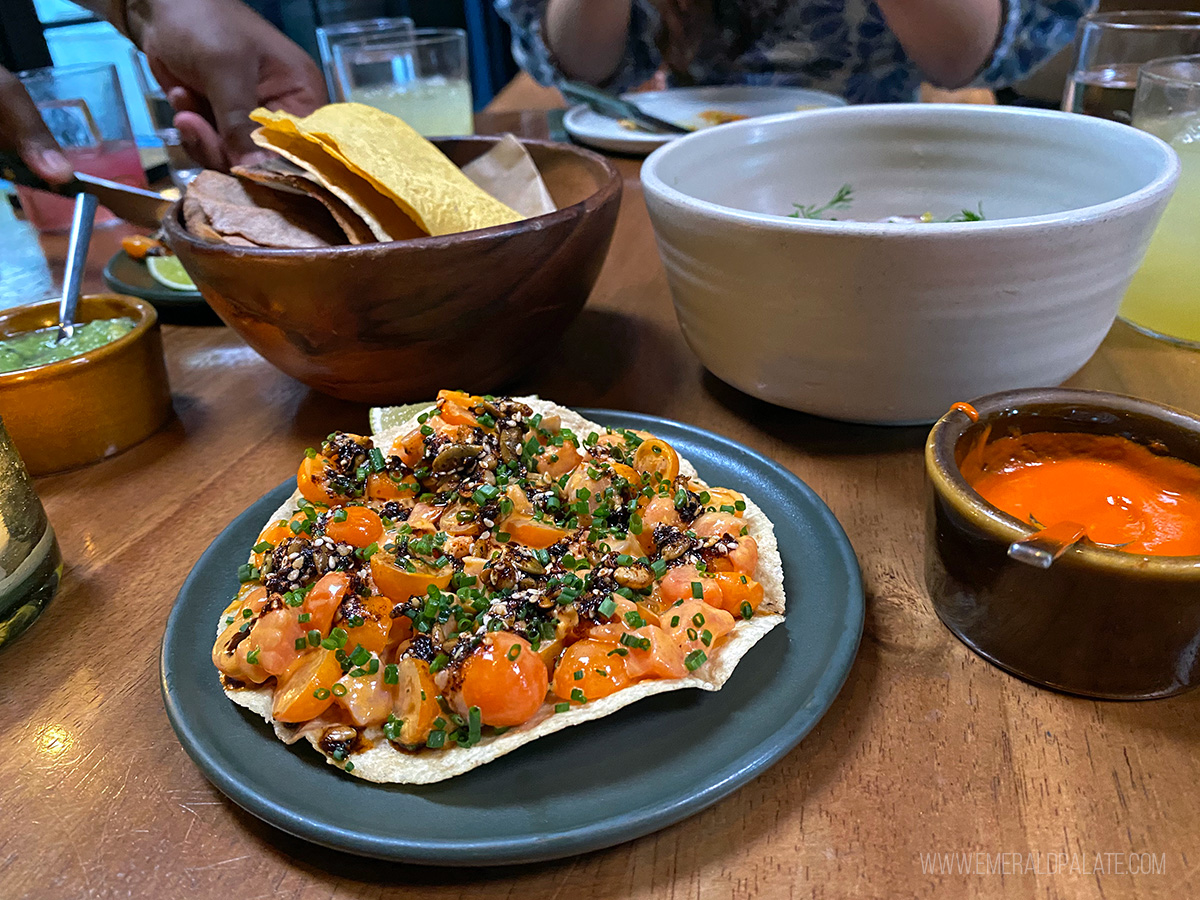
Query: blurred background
x=37 y=33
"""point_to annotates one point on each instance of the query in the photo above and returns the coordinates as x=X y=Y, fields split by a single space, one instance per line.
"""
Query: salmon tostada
x=492 y=570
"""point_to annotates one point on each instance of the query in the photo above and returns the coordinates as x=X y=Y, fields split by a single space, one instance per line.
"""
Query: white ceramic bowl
x=891 y=323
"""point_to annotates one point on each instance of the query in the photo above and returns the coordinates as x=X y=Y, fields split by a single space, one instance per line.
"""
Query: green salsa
x=37 y=348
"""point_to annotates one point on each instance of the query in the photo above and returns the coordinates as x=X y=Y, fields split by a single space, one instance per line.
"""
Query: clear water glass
x=329 y=36
x=424 y=78
x=1109 y=48
x=1163 y=299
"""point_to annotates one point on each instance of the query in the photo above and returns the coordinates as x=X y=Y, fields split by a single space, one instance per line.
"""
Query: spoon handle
x=1043 y=547
x=81 y=236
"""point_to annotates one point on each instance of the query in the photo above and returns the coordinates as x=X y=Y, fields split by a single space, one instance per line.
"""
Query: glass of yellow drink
x=1163 y=299
x=423 y=78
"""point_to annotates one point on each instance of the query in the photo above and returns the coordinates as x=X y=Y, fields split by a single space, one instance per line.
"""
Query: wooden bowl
x=389 y=322
x=80 y=410
x=1098 y=622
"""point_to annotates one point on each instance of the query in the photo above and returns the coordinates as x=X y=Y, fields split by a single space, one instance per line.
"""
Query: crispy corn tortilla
x=384 y=763
x=402 y=165
x=386 y=220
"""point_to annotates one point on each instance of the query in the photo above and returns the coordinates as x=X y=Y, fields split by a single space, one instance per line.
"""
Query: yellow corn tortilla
x=404 y=166
x=384 y=763
x=387 y=221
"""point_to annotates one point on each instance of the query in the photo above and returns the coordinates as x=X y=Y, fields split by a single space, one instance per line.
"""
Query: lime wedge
x=383 y=418
x=169 y=271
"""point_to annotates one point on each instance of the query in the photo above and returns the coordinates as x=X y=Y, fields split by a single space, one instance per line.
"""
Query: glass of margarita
x=1163 y=299
x=423 y=78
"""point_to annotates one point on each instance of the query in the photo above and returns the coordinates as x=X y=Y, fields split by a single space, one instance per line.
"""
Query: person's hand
x=217 y=60
x=23 y=131
x=682 y=30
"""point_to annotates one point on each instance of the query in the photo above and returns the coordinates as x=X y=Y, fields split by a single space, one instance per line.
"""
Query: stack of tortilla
x=353 y=174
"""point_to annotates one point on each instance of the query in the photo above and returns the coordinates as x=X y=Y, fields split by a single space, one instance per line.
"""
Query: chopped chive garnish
x=439 y=662
x=634 y=619
x=349 y=766
x=321 y=693
x=561 y=707
x=301 y=643
x=304 y=617
x=514 y=651
x=577 y=695
x=619 y=651
x=698 y=619
x=252 y=657
x=339 y=690
x=314 y=637
x=436 y=740
x=607 y=608
x=339 y=515
x=674 y=621
x=578 y=676
x=697 y=590
x=660 y=568
x=263 y=547
x=638 y=643
x=695 y=660
x=747 y=610
x=391 y=674
x=503 y=537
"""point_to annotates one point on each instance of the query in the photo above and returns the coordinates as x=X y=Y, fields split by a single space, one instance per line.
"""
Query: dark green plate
x=591 y=786
x=127 y=275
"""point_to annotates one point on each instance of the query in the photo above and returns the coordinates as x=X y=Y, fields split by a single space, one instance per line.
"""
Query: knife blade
x=616 y=108
x=135 y=205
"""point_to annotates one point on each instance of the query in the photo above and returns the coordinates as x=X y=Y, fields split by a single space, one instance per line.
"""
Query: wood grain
x=928 y=749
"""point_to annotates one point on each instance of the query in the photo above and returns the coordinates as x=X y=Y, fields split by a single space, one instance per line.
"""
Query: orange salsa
x=1126 y=496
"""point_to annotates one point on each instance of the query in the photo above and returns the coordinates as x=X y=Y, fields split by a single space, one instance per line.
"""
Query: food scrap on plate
x=490 y=571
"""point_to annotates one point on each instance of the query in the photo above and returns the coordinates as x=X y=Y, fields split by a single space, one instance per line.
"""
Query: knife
x=135 y=205
x=616 y=108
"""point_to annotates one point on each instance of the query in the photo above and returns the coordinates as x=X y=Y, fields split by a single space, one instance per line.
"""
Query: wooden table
x=927 y=750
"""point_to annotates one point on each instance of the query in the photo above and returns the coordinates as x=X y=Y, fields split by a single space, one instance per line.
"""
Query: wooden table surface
x=927 y=750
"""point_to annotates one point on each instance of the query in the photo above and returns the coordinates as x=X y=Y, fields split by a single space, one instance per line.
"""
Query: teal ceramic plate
x=591 y=786
x=126 y=275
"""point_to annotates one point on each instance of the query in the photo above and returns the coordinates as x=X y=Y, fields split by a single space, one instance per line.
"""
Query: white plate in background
x=683 y=106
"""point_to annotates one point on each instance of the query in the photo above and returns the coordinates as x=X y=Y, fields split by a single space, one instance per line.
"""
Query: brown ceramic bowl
x=1098 y=622
x=389 y=322
x=80 y=410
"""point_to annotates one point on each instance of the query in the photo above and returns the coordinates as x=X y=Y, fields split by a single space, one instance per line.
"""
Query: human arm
x=949 y=40
x=217 y=60
x=547 y=59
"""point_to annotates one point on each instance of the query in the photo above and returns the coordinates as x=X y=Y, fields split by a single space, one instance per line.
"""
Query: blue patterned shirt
x=842 y=46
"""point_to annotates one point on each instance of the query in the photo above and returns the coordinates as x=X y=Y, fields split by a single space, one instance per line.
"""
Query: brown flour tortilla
x=384 y=763
x=236 y=209
x=279 y=174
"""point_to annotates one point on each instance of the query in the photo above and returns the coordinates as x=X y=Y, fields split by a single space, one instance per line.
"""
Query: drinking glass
x=30 y=562
x=1163 y=299
x=84 y=110
x=181 y=167
x=423 y=78
x=1110 y=47
x=329 y=36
